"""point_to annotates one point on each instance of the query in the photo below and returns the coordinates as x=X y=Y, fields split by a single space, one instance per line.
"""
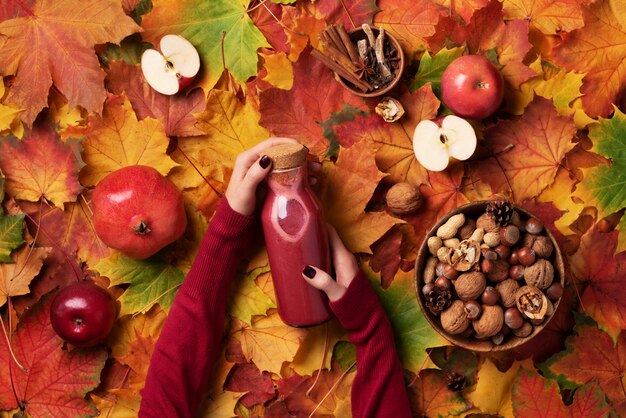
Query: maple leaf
x=431 y=69
x=456 y=360
x=203 y=24
x=412 y=331
x=350 y=14
x=41 y=166
x=409 y=21
x=431 y=397
x=129 y=327
x=346 y=189
x=592 y=354
x=297 y=113
x=17 y=275
x=175 y=112
x=117 y=139
x=231 y=127
x=387 y=258
x=9 y=115
x=279 y=70
x=56 y=380
x=493 y=390
x=123 y=404
x=597 y=50
x=465 y=9
x=535 y=396
x=268 y=19
x=248 y=299
x=316 y=350
x=268 y=342
x=526 y=152
x=590 y=401
x=52 y=42
x=247 y=378
x=602 y=186
x=151 y=281
x=547 y=16
x=11 y=234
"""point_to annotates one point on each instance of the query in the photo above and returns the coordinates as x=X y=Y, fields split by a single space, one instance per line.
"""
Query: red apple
x=173 y=68
x=472 y=87
x=138 y=211
x=437 y=141
x=83 y=314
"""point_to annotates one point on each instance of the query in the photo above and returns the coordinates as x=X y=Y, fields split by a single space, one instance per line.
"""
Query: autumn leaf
x=316 y=350
x=52 y=43
x=547 y=16
x=297 y=113
x=431 y=397
x=411 y=22
x=9 y=115
x=56 y=380
x=128 y=327
x=41 y=166
x=412 y=331
x=268 y=342
x=151 y=281
x=279 y=70
x=493 y=391
x=527 y=151
x=247 y=378
x=11 y=234
x=598 y=51
x=350 y=14
x=431 y=68
x=464 y=9
x=592 y=354
x=17 y=275
x=175 y=112
x=117 y=139
x=535 y=396
x=248 y=299
x=590 y=401
x=345 y=191
x=203 y=24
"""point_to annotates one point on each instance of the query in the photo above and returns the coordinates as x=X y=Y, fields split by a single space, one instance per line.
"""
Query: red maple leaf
x=248 y=378
x=55 y=381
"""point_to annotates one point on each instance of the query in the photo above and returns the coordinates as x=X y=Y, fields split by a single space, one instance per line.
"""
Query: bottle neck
x=288 y=179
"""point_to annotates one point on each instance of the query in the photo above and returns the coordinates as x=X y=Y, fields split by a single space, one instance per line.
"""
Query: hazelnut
x=508 y=289
x=524 y=331
x=449 y=272
x=454 y=319
x=489 y=254
x=555 y=291
x=503 y=251
x=509 y=235
x=516 y=272
x=429 y=270
x=404 y=198
x=467 y=229
x=470 y=285
x=526 y=256
x=439 y=268
x=533 y=226
x=495 y=270
x=490 y=296
x=540 y=274
x=513 y=318
x=443 y=283
x=498 y=338
x=473 y=309
x=434 y=243
x=513 y=258
x=427 y=288
x=487 y=221
x=489 y=323
x=531 y=302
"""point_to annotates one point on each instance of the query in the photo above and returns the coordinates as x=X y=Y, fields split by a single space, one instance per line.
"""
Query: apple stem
x=308 y=392
x=141 y=229
x=8 y=340
x=332 y=389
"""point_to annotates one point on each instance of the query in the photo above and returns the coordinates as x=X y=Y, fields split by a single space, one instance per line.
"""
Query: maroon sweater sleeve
x=189 y=344
x=378 y=389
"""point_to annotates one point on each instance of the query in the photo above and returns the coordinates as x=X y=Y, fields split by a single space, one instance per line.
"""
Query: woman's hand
x=346 y=269
x=251 y=167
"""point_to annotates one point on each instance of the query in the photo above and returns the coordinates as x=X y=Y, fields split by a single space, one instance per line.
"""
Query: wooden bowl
x=474 y=210
x=358 y=34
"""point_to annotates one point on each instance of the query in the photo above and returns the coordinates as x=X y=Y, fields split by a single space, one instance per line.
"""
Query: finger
x=256 y=173
x=345 y=264
x=321 y=280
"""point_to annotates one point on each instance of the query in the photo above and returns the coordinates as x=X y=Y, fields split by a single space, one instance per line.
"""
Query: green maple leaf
x=248 y=299
x=11 y=235
x=151 y=281
x=203 y=23
x=431 y=69
x=412 y=331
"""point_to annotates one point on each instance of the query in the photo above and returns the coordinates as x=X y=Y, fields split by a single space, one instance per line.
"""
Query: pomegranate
x=138 y=211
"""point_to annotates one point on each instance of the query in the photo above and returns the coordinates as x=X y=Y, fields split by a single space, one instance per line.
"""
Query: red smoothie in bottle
x=295 y=236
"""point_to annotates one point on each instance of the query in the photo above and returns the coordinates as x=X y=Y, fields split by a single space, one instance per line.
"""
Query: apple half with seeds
x=436 y=141
x=173 y=67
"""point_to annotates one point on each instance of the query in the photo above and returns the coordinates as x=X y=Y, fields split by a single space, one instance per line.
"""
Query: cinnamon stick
x=348 y=44
x=337 y=56
x=342 y=72
x=332 y=33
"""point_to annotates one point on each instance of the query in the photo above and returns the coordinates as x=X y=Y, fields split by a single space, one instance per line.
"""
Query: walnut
x=454 y=319
x=531 y=302
x=389 y=109
x=470 y=286
x=540 y=274
x=508 y=289
x=487 y=221
x=404 y=198
x=490 y=322
x=541 y=244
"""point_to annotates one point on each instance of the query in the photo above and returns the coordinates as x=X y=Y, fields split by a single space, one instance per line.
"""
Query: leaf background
x=74 y=107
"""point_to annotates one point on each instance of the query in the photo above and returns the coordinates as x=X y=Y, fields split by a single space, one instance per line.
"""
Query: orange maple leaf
x=526 y=152
x=547 y=16
x=599 y=49
x=52 y=42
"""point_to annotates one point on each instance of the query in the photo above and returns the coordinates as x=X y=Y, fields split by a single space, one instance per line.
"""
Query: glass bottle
x=295 y=236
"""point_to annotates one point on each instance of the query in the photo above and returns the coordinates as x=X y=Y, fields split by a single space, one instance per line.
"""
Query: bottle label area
x=291 y=215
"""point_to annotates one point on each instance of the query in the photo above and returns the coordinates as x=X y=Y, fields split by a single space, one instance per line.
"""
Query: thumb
x=321 y=280
x=256 y=173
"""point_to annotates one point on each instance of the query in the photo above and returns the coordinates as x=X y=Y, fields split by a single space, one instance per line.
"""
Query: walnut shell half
x=531 y=302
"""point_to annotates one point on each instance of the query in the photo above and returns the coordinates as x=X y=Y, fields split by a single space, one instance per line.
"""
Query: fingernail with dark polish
x=309 y=272
x=265 y=161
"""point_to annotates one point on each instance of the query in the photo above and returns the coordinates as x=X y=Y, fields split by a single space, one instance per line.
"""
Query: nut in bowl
x=489 y=276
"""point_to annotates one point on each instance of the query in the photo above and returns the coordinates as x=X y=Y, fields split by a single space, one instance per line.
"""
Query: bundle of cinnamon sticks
x=368 y=65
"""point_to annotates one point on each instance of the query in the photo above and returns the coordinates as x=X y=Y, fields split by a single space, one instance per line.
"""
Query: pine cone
x=502 y=211
x=455 y=381
x=438 y=299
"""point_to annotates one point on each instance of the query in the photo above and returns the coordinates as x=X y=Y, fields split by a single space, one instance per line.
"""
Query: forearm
x=378 y=389
x=189 y=343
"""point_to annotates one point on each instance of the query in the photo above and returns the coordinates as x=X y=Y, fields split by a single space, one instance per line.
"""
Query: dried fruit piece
x=531 y=302
x=389 y=109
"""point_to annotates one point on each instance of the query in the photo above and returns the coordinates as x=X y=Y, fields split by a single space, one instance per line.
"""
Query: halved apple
x=436 y=141
x=173 y=68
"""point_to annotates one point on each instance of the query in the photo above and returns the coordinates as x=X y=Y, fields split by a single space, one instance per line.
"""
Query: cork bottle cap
x=285 y=156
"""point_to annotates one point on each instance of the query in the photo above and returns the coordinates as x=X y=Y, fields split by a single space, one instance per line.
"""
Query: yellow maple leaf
x=9 y=116
x=322 y=337
x=493 y=391
x=128 y=327
x=123 y=403
x=269 y=342
x=248 y=299
x=117 y=139
x=15 y=277
x=279 y=70
x=547 y=16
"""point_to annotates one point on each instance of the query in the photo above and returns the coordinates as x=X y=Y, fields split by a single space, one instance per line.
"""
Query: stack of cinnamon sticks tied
x=369 y=64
